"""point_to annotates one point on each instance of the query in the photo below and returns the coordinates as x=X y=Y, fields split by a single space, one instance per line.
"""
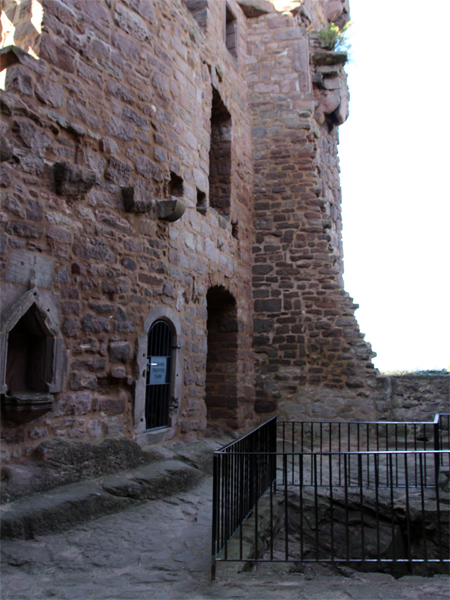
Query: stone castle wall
x=419 y=397
x=311 y=359
x=124 y=90
x=116 y=116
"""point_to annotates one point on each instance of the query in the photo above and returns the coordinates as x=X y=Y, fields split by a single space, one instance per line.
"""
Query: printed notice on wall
x=158 y=369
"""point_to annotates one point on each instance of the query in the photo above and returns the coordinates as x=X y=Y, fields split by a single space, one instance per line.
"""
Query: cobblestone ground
x=161 y=550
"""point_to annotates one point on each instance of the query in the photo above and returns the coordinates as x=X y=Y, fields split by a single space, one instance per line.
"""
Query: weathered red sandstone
x=119 y=115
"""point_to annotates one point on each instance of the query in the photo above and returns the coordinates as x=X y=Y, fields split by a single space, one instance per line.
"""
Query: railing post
x=437 y=445
x=215 y=512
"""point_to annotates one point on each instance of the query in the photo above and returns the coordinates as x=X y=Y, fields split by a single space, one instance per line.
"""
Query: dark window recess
x=231 y=32
x=159 y=375
x=235 y=229
x=30 y=354
x=175 y=185
x=201 y=202
x=222 y=369
x=220 y=156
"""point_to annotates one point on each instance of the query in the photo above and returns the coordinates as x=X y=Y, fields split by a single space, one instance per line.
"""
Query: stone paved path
x=161 y=550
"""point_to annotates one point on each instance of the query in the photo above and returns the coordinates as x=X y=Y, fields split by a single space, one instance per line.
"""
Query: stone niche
x=32 y=358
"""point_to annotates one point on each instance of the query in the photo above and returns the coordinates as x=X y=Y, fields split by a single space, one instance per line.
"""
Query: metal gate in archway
x=159 y=369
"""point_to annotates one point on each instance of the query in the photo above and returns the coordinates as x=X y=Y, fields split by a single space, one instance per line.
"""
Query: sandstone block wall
x=121 y=93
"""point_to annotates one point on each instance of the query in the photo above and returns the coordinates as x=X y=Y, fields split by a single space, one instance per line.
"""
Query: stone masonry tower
x=311 y=359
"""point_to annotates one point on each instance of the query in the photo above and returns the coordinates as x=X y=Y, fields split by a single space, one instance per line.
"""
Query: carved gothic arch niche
x=222 y=369
x=161 y=345
x=32 y=358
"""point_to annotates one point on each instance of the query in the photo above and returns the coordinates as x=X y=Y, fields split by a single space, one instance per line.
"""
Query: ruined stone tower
x=171 y=250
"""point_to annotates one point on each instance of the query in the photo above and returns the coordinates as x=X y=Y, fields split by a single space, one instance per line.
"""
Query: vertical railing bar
x=293 y=456
x=408 y=523
x=346 y=474
x=368 y=455
x=330 y=469
x=242 y=461
x=396 y=455
x=377 y=506
x=237 y=487
x=316 y=509
x=301 y=504
x=256 y=499
x=321 y=452
x=415 y=455
x=422 y=497
x=224 y=502
x=271 y=520
x=286 y=517
x=438 y=507
x=348 y=450
x=436 y=450
x=361 y=501
x=391 y=477
x=216 y=479
x=387 y=450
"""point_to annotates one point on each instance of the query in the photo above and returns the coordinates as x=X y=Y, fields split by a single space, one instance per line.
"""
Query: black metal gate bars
x=159 y=368
x=333 y=492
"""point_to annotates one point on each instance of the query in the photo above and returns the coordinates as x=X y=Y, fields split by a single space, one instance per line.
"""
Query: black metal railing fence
x=243 y=471
x=349 y=491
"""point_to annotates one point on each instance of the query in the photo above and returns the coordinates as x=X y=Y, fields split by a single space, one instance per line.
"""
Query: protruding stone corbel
x=72 y=180
x=330 y=87
x=327 y=57
x=170 y=210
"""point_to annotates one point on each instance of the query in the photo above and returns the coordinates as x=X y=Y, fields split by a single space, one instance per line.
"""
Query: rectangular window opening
x=220 y=157
x=231 y=32
x=176 y=185
x=201 y=202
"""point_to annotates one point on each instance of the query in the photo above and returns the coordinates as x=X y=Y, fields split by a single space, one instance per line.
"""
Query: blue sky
x=395 y=163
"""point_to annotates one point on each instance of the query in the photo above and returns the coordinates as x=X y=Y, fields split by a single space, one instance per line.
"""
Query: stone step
x=64 y=507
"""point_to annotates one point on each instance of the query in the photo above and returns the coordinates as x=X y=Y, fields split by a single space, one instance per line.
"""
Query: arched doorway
x=159 y=377
x=222 y=358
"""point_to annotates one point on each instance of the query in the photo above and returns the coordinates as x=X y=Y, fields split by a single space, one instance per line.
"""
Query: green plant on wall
x=331 y=37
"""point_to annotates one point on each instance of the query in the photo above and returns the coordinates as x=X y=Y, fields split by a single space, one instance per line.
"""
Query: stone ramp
x=60 y=509
x=177 y=469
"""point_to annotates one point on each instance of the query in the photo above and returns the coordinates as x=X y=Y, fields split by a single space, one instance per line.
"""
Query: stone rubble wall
x=419 y=397
x=311 y=359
